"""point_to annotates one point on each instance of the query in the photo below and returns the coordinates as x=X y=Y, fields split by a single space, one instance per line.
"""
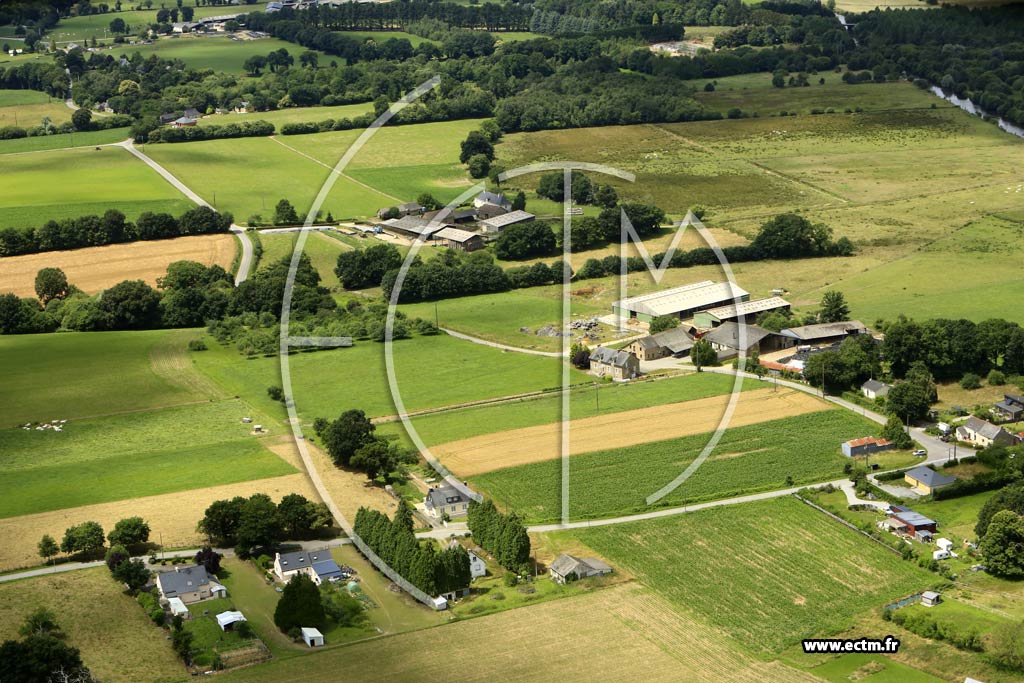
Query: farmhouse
x=446 y=500
x=1011 y=408
x=984 y=434
x=317 y=565
x=566 y=568
x=189 y=584
x=874 y=389
x=183 y=122
x=714 y=317
x=463 y=240
x=477 y=567
x=731 y=338
x=191 y=113
x=865 y=446
x=914 y=523
x=823 y=334
x=675 y=342
x=493 y=199
x=619 y=365
x=925 y=480
x=498 y=223
x=681 y=302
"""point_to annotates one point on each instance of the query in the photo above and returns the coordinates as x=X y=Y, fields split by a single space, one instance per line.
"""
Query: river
x=971 y=108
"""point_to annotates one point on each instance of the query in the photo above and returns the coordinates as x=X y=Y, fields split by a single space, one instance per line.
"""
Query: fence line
x=848 y=524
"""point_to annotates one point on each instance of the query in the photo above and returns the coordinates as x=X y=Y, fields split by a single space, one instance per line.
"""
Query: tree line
x=110 y=228
x=503 y=536
x=351 y=442
x=433 y=572
x=257 y=522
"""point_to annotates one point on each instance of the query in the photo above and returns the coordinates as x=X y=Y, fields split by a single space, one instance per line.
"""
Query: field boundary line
x=331 y=168
x=60 y=149
x=846 y=523
x=503 y=347
x=797 y=181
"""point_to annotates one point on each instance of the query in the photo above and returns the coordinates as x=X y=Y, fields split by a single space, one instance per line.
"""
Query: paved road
x=503 y=347
x=245 y=263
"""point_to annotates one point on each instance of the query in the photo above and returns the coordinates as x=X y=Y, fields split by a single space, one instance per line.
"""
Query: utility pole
x=597 y=395
x=437 y=322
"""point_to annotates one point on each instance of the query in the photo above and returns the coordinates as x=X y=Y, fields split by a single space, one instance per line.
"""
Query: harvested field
x=481 y=454
x=117 y=640
x=172 y=516
x=616 y=632
x=95 y=268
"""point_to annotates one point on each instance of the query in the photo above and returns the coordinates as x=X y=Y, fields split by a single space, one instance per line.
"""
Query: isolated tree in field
x=789 y=235
x=346 y=435
x=284 y=213
x=129 y=531
x=1003 y=545
x=48 y=548
x=208 y=559
x=187 y=13
x=970 y=381
x=895 y=431
x=118 y=26
x=703 y=354
x=834 y=308
x=664 y=322
x=519 y=201
x=279 y=59
x=474 y=144
x=300 y=605
x=51 y=283
x=40 y=622
x=377 y=458
x=85 y=538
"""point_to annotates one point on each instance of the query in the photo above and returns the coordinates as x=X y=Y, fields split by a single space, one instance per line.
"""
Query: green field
x=768 y=573
x=48 y=142
x=326 y=383
x=955 y=515
x=217 y=52
x=98 y=25
x=131 y=455
x=91 y=374
x=26 y=108
x=279 y=117
x=470 y=422
x=870 y=668
x=322 y=250
x=748 y=459
x=70 y=183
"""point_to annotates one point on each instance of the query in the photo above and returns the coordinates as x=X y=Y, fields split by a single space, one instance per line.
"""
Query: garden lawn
x=760 y=457
x=70 y=183
x=955 y=515
x=768 y=573
x=218 y=52
x=83 y=374
x=431 y=372
x=131 y=455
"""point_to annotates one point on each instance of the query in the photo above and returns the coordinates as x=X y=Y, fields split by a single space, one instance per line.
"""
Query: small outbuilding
x=873 y=389
x=567 y=568
x=930 y=598
x=227 y=620
x=312 y=637
x=177 y=607
x=865 y=446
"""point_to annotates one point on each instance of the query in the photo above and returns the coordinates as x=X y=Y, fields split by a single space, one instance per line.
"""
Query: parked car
x=920 y=451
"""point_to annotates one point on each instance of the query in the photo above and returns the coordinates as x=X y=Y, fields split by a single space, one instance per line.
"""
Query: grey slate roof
x=445 y=495
x=184 y=580
x=929 y=477
x=874 y=385
x=728 y=335
x=565 y=564
x=497 y=199
x=983 y=428
x=303 y=558
x=677 y=339
x=618 y=359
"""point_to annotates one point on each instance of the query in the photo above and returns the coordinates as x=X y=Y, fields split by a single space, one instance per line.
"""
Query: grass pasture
x=278 y=117
x=42 y=143
x=26 y=108
x=749 y=459
x=217 y=52
x=93 y=269
x=97 y=26
x=117 y=640
x=870 y=668
x=131 y=455
x=616 y=632
x=71 y=183
x=766 y=583
x=322 y=250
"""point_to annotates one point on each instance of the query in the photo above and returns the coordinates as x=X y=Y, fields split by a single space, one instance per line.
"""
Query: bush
x=970 y=381
x=196 y=345
x=996 y=378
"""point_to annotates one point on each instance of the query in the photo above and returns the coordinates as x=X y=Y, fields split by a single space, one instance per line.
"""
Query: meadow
x=93 y=373
x=26 y=108
x=322 y=250
x=278 y=117
x=118 y=642
x=41 y=143
x=326 y=383
x=131 y=455
x=616 y=631
x=870 y=668
x=761 y=457
x=217 y=52
x=93 y=269
x=767 y=573
x=956 y=515
x=71 y=183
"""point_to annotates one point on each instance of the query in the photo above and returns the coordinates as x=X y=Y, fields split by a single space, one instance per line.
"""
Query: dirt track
x=95 y=268
x=480 y=454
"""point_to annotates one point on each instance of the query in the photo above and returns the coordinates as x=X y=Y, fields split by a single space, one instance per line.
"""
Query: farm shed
x=312 y=637
x=619 y=365
x=463 y=240
x=498 y=223
x=675 y=342
x=915 y=524
x=865 y=446
x=713 y=317
x=925 y=479
x=930 y=598
x=567 y=568
x=411 y=227
x=681 y=302
x=823 y=333
x=731 y=338
x=227 y=620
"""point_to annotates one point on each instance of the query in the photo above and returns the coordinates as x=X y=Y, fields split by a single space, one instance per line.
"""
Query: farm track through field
x=481 y=454
x=170 y=360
